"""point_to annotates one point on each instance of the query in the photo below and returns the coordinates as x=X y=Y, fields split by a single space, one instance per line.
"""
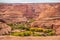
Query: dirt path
x=29 y=38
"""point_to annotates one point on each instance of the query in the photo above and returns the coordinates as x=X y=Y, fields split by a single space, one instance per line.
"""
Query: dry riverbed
x=29 y=38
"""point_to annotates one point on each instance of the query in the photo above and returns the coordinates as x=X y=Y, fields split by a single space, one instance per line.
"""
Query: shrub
x=15 y=34
x=27 y=33
x=14 y=26
x=32 y=29
x=31 y=20
x=39 y=30
x=51 y=33
x=18 y=34
x=21 y=34
x=27 y=28
x=18 y=26
x=36 y=34
x=36 y=29
x=24 y=28
x=47 y=30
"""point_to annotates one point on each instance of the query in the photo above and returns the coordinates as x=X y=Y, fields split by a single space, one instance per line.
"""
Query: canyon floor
x=29 y=38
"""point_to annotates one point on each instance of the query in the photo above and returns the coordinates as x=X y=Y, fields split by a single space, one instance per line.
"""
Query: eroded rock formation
x=44 y=14
x=4 y=29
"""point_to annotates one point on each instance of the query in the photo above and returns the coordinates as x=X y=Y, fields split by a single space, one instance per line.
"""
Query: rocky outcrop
x=4 y=29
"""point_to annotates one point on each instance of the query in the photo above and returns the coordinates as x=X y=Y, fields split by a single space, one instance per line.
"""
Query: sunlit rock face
x=4 y=29
x=12 y=13
x=21 y=12
x=48 y=17
x=50 y=11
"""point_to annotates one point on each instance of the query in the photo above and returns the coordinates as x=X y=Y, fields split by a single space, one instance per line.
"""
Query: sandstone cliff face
x=50 y=15
x=11 y=13
x=41 y=12
x=21 y=12
x=44 y=14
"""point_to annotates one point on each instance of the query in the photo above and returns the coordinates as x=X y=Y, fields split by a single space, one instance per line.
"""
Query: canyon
x=43 y=14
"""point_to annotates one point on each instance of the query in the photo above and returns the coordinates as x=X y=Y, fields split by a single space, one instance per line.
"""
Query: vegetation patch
x=28 y=31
